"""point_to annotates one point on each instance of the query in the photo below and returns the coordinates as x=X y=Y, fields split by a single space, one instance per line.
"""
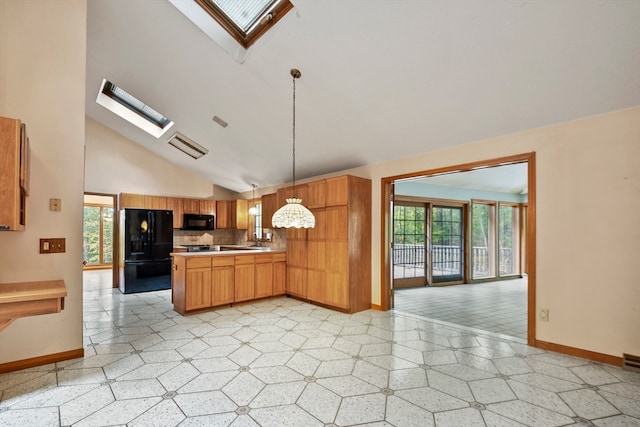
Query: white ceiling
x=381 y=79
x=506 y=179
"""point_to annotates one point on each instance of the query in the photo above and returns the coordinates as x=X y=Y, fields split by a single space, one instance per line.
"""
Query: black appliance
x=198 y=222
x=146 y=240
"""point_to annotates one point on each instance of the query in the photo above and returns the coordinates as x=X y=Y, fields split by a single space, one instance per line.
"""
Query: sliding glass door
x=409 y=244
x=508 y=237
x=447 y=244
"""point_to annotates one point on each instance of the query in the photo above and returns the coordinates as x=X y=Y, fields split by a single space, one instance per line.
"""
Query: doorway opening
x=98 y=236
x=442 y=228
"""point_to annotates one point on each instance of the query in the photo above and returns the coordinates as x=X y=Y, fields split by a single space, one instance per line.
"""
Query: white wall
x=588 y=233
x=115 y=164
x=42 y=75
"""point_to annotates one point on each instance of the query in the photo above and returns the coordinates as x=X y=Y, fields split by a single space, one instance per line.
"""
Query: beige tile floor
x=282 y=362
x=499 y=307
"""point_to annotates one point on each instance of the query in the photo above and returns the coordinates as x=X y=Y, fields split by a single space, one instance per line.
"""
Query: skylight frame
x=265 y=21
x=133 y=110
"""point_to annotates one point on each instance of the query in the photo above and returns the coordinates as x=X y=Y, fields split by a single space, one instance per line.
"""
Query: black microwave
x=198 y=222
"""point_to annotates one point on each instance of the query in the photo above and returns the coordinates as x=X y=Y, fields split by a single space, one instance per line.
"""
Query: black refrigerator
x=146 y=240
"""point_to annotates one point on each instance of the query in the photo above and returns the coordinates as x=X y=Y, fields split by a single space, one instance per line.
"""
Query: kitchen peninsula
x=208 y=279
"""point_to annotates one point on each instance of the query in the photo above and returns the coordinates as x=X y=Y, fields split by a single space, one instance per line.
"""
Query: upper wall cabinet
x=128 y=200
x=269 y=207
x=232 y=214
x=14 y=174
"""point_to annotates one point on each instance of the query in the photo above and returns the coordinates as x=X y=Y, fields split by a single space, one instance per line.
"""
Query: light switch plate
x=52 y=246
x=55 y=205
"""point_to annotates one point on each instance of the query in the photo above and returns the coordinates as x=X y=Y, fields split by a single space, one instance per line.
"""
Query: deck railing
x=447 y=258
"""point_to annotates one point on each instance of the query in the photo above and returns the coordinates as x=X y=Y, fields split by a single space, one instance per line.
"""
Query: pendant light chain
x=294 y=136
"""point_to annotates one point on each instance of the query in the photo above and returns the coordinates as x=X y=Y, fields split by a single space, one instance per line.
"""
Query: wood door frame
x=386 y=220
x=116 y=225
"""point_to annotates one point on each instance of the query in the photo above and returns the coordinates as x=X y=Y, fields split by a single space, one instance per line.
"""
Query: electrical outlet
x=52 y=246
x=544 y=314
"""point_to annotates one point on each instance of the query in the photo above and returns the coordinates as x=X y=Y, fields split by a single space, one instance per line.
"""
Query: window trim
x=265 y=21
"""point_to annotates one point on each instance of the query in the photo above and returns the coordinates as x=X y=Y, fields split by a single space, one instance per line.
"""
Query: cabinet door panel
x=337 y=225
x=279 y=278
x=297 y=253
x=337 y=258
x=223 y=214
x=264 y=280
x=269 y=207
x=207 y=207
x=239 y=214
x=155 y=202
x=316 y=255
x=297 y=281
x=316 y=285
x=244 y=282
x=222 y=284
x=128 y=200
x=319 y=232
x=191 y=206
x=337 y=191
x=198 y=288
x=337 y=290
x=316 y=194
x=175 y=204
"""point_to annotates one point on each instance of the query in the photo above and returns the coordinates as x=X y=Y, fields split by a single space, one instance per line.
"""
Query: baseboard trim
x=376 y=307
x=585 y=354
x=41 y=360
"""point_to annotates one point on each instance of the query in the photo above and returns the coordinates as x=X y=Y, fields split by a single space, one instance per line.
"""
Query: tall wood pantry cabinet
x=331 y=263
x=14 y=174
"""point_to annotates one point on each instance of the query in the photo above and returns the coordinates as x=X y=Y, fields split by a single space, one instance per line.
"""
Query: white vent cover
x=187 y=146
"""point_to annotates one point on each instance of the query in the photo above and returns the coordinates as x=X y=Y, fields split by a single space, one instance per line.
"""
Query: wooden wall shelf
x=30 y=299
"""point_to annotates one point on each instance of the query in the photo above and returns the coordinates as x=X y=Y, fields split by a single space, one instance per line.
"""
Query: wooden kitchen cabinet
x=316 y=194
x=207 y=207
x=222 y=280
x=191 y=206
x=316 y=256
x=14 y=174
x=232 y=214
x=198 y=284
x=263 y=276
x=269 y=207
x=279 y=274
x=175 y=204
x=285 y=193
x=155 y=202
x=336 y=269
x=129 y=200
x=244 y=279
x=337 y=190
x=297 y=264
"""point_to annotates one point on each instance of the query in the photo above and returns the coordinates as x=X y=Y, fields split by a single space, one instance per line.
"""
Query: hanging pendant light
x=294 y=214
x=253 y=210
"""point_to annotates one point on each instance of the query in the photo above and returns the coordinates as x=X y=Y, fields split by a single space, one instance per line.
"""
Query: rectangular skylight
x=244 y=20
x=243 y=13
x=130 y=108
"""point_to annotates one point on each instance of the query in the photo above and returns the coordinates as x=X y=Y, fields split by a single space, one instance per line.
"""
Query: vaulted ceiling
x=381 y=79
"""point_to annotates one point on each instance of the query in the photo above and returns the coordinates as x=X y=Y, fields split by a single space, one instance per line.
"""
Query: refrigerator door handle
x=150 y=237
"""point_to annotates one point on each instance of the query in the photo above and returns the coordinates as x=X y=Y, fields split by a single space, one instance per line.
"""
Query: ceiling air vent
x=187 y=146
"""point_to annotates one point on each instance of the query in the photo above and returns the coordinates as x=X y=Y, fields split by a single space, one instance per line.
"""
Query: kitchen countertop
x=251 y=251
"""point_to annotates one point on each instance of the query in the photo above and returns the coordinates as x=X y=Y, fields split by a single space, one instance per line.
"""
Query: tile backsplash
x=227 y=237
